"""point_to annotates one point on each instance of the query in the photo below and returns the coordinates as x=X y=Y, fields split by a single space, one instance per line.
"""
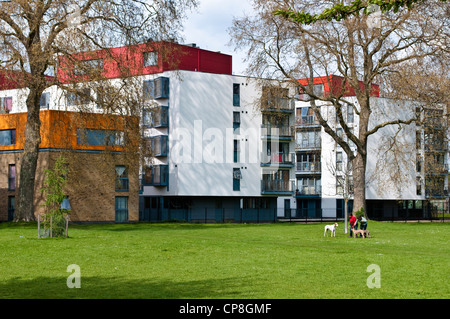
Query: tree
x=339 y=10
x=285 y=47
x=35 y=33
x=54 y=192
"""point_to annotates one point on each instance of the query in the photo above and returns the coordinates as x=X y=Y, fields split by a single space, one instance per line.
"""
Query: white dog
x=331 y=228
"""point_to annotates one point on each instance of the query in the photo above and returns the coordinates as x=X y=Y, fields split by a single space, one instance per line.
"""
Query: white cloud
x=207 y=27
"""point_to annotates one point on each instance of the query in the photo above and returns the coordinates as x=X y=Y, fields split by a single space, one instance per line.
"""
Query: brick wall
x=90 y=187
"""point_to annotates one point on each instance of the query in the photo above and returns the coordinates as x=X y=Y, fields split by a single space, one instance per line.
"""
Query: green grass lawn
x=216 y=261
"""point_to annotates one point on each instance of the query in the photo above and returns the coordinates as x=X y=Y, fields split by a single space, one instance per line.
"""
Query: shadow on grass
x=119 y=288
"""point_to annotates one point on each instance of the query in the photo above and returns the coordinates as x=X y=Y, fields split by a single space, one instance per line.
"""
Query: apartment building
x=407 y=168
x=214 y=147
x=223 y=149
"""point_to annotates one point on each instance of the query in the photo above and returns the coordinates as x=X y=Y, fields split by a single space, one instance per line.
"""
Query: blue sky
x=207 y=27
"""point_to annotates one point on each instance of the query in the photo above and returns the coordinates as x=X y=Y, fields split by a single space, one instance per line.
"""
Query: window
x=6 y=103
x=148 y=89
x=308 y=139
x=350 y=114
x=305 y=115
x=12 y=177
x=418 y=186
x=236 y=94
x=100 y=137
x=88 y=66
x=236 y=151
x=121 y=209
x=339 y=185
x=309 y=186
x=150 y=58
x=77 y=98
x=45 y=100
x=418 y=140
x=122 y=182
x=318 y=90
x=11 y=207
x=339 y=161
x=418 y=163
x=236 y=122
x=237 y=179
x=7 y=137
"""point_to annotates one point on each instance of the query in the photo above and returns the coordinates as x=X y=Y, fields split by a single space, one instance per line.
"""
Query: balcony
x=309 y=167
x=278 y=159
x=158 y=145
x=156 y=89
x=308 y=145
x=276 y=99
x=157 y=117
x=269 y=131
x=307 y=121
x=277 y=187
x=157 y=175
x=312 y=191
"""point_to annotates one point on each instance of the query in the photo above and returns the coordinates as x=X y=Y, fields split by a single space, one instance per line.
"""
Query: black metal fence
x=210 y=215
x=270 y=215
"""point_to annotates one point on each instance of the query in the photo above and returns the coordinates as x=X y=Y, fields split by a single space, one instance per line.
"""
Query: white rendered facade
x=393 y=174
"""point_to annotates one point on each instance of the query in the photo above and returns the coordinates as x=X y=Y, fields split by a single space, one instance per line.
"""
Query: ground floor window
x=121 y=209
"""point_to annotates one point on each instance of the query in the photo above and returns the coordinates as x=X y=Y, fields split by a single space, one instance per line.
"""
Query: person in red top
x=353 y=224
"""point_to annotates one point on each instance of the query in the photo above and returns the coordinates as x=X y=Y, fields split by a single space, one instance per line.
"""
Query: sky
x=207 y=27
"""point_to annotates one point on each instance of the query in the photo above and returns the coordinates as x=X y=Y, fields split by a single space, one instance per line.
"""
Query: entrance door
x=287 y=208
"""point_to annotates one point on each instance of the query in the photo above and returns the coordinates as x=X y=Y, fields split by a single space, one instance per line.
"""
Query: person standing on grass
x=353 y=224
x=363 y=223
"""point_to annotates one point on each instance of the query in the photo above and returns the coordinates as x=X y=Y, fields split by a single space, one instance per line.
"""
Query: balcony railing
x=278 y=159
x=268 y=130
x=309 y=190
x=277 y=187
x=305 y=144
x=306 y=120
x=309 y=167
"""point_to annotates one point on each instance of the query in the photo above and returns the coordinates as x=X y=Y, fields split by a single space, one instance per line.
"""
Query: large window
x=7 y=137
x=309 y=186
x=308 y=139
x=100 y=137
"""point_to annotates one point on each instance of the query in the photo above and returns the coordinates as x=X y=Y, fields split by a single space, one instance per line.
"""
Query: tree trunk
x=359 y=183
x=25 y=202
